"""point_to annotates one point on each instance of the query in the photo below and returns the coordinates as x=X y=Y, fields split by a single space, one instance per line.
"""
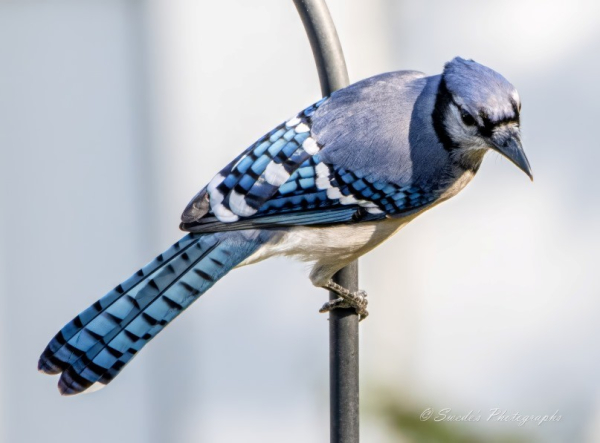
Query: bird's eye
x=467 y=118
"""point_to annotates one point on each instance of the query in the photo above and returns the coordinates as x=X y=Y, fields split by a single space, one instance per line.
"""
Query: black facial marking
x=443 y=100
x=488 y=127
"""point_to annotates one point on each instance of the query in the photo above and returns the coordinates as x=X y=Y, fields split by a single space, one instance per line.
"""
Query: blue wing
x=281 y=180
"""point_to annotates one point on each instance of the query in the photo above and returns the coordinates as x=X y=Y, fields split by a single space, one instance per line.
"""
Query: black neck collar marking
x=443 y=100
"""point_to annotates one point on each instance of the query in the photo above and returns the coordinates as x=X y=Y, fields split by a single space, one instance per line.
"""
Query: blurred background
x=114 y=113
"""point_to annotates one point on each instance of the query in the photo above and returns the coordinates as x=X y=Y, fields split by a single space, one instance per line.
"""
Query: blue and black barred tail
x=96 y=345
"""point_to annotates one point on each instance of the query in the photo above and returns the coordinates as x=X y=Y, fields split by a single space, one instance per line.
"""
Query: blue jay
x=326 y=187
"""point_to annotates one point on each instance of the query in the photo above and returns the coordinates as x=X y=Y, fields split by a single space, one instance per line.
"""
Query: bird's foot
x=347 y=299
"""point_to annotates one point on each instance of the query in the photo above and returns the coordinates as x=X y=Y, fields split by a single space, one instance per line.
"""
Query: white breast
x=330 y=248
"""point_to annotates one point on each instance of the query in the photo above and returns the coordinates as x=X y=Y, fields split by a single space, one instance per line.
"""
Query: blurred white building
x=114 y=113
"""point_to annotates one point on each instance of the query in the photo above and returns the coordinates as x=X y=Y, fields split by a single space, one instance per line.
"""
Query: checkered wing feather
x=282 y=181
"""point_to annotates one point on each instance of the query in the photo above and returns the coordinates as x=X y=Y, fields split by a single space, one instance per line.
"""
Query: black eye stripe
x=488 y=125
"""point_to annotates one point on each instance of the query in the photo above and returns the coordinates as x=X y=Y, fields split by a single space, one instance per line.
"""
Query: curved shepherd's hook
x=343 y=323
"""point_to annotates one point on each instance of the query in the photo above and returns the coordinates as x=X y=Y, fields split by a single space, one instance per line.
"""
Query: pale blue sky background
x=113 y=114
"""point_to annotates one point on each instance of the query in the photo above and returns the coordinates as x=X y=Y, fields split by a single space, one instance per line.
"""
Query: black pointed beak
x=509 y=145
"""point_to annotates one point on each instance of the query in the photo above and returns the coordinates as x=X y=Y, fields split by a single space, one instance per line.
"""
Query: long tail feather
x=96 y=345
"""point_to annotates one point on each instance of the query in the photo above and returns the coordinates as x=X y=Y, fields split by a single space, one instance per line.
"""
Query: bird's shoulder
x=382 y=127
x=318 y=169
x=392 y=90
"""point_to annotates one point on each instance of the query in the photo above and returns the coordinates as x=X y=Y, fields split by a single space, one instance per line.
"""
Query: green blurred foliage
x=402 y=418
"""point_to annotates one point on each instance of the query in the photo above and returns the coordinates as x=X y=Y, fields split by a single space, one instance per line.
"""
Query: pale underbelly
x=330 y=248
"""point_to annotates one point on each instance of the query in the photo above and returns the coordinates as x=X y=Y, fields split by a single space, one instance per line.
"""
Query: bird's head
x=477 y=109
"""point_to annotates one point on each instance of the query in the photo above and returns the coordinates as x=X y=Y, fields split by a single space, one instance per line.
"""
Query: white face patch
x=467 y=137
x=238 y=205
x=516 y=98
x=275 y=174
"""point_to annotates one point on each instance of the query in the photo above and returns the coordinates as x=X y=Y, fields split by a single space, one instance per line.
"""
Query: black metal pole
x=343 y=323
